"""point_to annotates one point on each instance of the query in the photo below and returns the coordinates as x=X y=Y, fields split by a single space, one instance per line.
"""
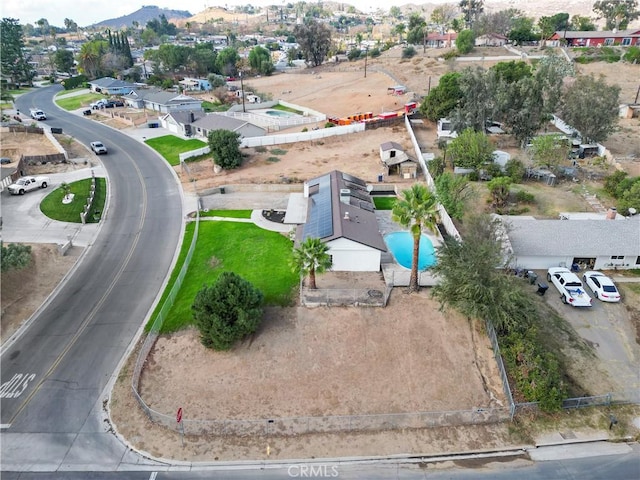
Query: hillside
x=142 y=16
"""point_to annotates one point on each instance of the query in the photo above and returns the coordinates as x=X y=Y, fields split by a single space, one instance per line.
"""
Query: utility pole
x=242 y=91
x=366 y=54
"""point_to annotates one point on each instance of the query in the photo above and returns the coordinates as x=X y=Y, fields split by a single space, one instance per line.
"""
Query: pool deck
x=396 y=275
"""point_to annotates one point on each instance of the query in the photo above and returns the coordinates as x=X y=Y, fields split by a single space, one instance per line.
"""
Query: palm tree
x=417 y=209
x=311 y=257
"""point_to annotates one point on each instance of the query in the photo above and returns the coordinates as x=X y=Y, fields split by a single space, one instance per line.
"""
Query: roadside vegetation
x=76 y=102
x=53 y=207
x=226 y=213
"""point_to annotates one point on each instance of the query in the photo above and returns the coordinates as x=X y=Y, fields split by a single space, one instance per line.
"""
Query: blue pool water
x=401 y=246
x=279 y=113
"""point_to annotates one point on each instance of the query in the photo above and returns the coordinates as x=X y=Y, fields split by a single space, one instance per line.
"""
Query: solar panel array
x=320 y=219
x=348 y=178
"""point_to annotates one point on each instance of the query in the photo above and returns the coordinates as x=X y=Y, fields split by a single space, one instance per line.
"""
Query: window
x=626 y=42
x=638 y=261
x=617 y=257
x=392 y=153
x=608 y=42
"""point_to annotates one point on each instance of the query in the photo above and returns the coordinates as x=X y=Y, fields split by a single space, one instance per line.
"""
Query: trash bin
x=542 y=288
x=57 y=130
x=532 y=276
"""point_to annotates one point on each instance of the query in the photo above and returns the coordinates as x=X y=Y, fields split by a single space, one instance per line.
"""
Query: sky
x=87 y=12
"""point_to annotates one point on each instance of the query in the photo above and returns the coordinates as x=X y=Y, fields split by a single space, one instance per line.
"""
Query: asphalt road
x=54 y=376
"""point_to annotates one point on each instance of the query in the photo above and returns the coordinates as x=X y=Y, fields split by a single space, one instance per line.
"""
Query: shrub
x=329 y=125
x=525 y=197
x=632 y=55
x=408 y=52
x=436 y=167
x=494 y=170
x=375 y=52
x=261 y=149
x=15 y=256
x=225 y=148
x=227 y=311
x=278 y=151
x=515 y=170
x=354 y=54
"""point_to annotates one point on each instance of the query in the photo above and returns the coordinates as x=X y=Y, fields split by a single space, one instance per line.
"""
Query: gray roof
x=327 y=215
x=578 y=238
x=386 y=146
x=170 y=98
x=110 y=82
x=141 y=93
x=184 y=117
x=214 y=121
x=598 y=34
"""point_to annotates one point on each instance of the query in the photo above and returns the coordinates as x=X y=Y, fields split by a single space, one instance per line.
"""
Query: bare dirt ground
x=183 y=374
x=406 y=357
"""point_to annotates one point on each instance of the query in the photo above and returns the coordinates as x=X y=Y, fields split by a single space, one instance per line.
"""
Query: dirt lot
x=445 y=364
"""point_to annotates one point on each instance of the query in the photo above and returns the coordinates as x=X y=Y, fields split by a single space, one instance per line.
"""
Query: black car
x=114 y=103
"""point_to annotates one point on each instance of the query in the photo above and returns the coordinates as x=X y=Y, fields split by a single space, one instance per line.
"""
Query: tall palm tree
x=311 y=257
x=417 y=209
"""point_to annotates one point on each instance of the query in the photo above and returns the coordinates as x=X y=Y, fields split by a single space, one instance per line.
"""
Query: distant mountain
x=142 y=16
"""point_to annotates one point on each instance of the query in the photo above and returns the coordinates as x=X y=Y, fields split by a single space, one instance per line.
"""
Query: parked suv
x=98 y=148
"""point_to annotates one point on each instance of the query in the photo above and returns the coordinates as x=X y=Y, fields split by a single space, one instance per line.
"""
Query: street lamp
x=242 y=92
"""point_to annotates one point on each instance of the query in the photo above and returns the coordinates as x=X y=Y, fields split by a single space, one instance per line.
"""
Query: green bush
x=354 y=54
x=375 y=52
x=515 y=170
x=227 y=311
x=408 y=52
x=525 y=197
x=15 y=256
x=494 y=170
x=632 y=55
x=261 y=149
x=329 y=125
x=74 y=82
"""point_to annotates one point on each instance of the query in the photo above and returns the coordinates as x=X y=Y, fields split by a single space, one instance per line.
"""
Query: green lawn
x=257 y=255
x=227 y=213
x=384 y=203
x=214 y=107
x=53 y=207
x=170 y=146
x=73 y=103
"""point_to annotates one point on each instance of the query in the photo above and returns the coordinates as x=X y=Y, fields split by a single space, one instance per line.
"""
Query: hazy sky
x=87 y=12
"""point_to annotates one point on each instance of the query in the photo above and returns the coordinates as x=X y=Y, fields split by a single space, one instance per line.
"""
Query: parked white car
x=26 y=184
x=602 y=286
x=570 y=287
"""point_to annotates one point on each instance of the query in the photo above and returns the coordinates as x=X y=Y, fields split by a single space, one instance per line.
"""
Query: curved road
x=53 y=376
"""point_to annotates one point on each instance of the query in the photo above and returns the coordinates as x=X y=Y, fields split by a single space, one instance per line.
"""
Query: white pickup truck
x=25 y=184
x=570 y=287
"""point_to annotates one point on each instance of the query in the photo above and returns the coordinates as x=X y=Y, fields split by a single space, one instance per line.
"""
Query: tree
x=512 y=71
x=478 y=89
x=453 y=191
x=441 y=100
x=496 y=22
x=591 y=107
x=549 y=150
x=617 y=13
x=15 y=256
x=14 y=61
x=499 y=188
x=314 y=39
x=471 y=10
x=417 y=209
x=471 y=149
x=630 y=198
x=556 y=23
x=395 y=12
x=399 y=30
x=260 y=60
x=416 y=29
x=227 y=311
x=582 y=24
x=63 y=60
x=225 y=148
x=522 y=31
x=226 y=61
x=520 y=107
x=311 y=257
x=444 y=14
x=465 y=41
x=472 y=282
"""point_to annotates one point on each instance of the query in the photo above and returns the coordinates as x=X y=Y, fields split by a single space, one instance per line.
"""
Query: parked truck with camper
x=26 y=184
x=570 y=287
x=37 y=114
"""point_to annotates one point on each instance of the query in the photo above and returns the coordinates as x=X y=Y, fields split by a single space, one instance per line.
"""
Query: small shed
x=396 y=160
x=501 y=158
x=397 y=90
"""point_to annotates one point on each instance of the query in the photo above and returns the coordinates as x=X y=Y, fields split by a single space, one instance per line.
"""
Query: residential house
x=624 y=38
x=201 y=127
x=595 y=241
x=491 y=40
x=195 y=84
x=111 y=86
x=165 y=102
x=181 y=121
x=440 y=40
x=341 y=213
x=396 y=160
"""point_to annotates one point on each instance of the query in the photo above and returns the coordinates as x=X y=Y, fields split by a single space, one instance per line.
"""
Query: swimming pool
x=401 y=246
x=279 y=113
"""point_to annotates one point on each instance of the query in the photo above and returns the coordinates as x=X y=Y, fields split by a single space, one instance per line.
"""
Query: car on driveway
x=570 y=287
x=602 y=286
x=98 y=148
